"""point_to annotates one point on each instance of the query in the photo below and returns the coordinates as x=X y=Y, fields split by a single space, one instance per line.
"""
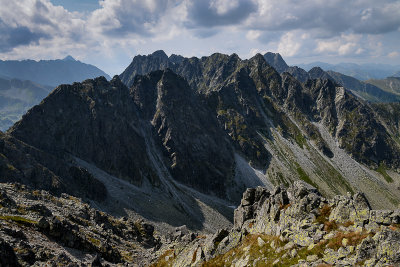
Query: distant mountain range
x=361 y=72
x=369 y=91
x=50 y=72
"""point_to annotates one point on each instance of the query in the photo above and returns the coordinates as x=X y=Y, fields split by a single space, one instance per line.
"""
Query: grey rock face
x=193 y=124
x=85 y=120
x=197 y=150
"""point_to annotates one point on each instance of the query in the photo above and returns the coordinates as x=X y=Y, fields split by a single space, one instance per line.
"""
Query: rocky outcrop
x=37 y=228
x=298 y=227
x=365 y=90
x=318 y=73
x=299 y=73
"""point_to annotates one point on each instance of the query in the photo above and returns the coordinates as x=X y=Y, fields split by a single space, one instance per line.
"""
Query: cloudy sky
x=109 y=33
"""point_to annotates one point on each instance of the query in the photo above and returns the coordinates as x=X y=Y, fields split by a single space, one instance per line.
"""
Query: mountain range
x=50 y=72
x=217 y=125
x=176 y=141
x=359 y=71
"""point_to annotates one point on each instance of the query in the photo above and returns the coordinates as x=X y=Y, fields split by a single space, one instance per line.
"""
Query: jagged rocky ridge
x=295 y=227
x=114 y=121
x=191 y=138
x=365 y=90
x=215 y=74
x=249 y=97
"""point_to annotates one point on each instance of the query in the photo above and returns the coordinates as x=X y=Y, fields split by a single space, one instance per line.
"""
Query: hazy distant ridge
x=50 y=72
x=358 y=71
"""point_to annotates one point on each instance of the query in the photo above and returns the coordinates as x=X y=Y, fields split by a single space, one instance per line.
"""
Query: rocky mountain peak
x=258 y=59
x=69 y=58
x=176 y=59
x=318 y=73
x=160 y=54
x=276 y=61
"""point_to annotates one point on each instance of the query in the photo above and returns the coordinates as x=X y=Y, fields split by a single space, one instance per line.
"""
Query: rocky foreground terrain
x=296 y=227
x=39 y=229
x=292 y=226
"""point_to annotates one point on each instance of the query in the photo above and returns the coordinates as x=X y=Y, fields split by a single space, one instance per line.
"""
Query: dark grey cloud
x=208 y=13
x=379 y=20
x=11 y=37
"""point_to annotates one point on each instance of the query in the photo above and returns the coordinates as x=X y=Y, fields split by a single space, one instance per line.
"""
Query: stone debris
x=37 y=228
x=298 y=227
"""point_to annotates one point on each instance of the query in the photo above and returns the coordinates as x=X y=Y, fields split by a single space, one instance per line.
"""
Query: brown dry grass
x=354 y=238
